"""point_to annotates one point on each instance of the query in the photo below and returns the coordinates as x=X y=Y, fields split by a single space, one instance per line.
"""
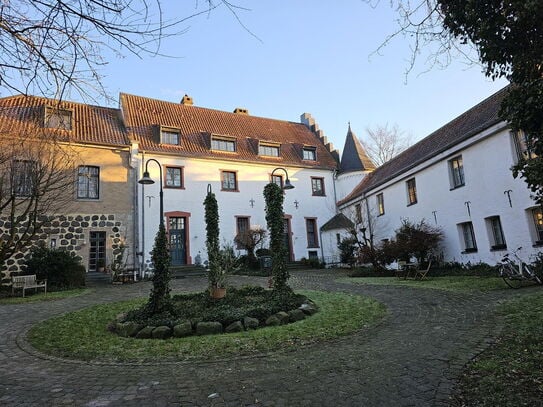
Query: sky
x=315 y=56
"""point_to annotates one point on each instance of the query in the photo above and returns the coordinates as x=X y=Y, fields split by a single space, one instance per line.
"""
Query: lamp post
x=147 y=180
x=287 y=185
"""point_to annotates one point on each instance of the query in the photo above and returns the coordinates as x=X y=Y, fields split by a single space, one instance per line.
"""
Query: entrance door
x=97 y=251
x=178 y=247
x=286 y=238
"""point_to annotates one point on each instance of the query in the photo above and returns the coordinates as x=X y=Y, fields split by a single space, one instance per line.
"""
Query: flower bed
x=198 y=314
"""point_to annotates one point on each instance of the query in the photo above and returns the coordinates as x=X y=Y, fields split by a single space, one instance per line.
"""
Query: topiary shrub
x=62 y=269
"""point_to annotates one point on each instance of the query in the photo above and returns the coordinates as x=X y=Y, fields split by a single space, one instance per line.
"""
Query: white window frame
x=456 y=172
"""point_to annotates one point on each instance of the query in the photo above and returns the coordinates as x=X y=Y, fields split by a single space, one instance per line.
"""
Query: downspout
x=334 y=178
x=142 y=267
x=370 y=226
x=134 y=171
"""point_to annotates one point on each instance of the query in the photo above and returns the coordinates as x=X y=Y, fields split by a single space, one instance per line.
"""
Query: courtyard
x=411 y=358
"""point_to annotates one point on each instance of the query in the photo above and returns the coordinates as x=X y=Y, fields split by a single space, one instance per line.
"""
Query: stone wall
x=72 y=233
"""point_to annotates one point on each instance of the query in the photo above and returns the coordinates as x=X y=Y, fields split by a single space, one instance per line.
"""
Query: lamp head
x=146 y=179
x=288 y=185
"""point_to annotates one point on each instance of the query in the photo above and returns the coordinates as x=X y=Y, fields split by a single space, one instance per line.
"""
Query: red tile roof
x=90 y=124
x=196 y=124
x=470 y=123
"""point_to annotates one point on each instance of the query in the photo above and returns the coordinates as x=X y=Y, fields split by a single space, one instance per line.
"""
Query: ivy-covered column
x=274 y=218
x=159 y=300
x=212 y=236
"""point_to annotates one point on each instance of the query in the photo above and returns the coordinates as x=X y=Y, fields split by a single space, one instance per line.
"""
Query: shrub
x=62 y=269
x=314 y=263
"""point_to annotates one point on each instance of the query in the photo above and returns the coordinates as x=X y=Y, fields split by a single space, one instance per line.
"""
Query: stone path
x=410 y=359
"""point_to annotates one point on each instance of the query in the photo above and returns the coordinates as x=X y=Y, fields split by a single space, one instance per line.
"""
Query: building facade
x=459 y=179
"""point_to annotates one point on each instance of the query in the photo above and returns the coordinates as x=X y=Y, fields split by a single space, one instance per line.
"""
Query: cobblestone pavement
x=410 y=359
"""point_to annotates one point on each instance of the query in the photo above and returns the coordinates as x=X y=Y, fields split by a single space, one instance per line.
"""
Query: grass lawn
x=510 y=373
x=83 y=334
x=452 y=283
x=51 y=296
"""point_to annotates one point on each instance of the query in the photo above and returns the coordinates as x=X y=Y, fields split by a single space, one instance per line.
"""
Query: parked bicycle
x=514 y=273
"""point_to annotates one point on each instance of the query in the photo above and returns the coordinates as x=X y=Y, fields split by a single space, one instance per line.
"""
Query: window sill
x=498 y=247
x=412 y=203
x=456 y=187
x=229 y=190
x=313 y=247
x=318 y=195
x=538 y=243
x=381 y=214
x=165 y=187
x=469 y=251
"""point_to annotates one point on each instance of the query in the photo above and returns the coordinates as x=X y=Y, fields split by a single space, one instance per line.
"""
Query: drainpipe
x=370 y=226
x=142 y=267
x=334 y=178
x=135 y=224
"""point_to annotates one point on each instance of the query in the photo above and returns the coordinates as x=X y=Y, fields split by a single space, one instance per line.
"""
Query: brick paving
x=410 y=359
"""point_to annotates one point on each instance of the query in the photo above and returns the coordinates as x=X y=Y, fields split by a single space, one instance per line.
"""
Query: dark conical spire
x=354 y=157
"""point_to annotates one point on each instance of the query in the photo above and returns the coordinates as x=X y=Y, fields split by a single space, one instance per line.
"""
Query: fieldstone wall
x=72 y=233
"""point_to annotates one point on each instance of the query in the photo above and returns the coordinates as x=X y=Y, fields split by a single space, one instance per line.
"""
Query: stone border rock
x=188 y=328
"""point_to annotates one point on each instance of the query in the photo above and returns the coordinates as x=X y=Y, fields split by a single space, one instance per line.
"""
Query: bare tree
x=384 y=142
x=50 y=46
x=36 y=178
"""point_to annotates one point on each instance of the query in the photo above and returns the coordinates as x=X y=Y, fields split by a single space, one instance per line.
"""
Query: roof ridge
x=211 y=109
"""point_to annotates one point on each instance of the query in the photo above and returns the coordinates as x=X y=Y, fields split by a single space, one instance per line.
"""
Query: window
x=537 y=215
x=317 y=186
x=311 y=229
x=242 y=226
x=277 y=179
x=338 y=239
x=88 y=181
x=269 y=150
x=523 y=146
x=358 y=213
x=58 y=119
x=497 y=237
x=456 y=169
x=24 y=173
x=313 y=255
x=309 y=153
x=229 y=181
x=380 y=204
x=169 y=136
x=468 y=236
x=411 y=191
x=174 y=177
x=223 y=144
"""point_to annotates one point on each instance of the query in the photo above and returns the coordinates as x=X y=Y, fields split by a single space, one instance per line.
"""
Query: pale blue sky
x=311 y=56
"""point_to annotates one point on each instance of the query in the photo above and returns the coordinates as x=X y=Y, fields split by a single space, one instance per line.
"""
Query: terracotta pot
x=218 y=292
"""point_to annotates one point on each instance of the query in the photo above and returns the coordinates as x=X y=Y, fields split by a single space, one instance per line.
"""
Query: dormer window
x=269 y=150
x=223 y=144
x=310 y=153
x=169 y=136
x=58 y=118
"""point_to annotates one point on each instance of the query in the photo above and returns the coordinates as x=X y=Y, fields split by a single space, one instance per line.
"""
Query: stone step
x=189 y=270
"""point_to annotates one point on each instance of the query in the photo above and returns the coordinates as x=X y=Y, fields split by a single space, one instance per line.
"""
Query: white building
x=458 y=178
x=235 y=155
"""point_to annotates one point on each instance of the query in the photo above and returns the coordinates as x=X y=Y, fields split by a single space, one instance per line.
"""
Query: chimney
x=187 y=100
x=241 y=110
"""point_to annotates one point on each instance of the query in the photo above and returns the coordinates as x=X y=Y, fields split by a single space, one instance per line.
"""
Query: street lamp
x=287 y=185
x=147 y=180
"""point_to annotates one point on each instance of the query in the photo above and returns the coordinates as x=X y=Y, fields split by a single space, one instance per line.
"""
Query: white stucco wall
x=252 y=179
x=487 y=159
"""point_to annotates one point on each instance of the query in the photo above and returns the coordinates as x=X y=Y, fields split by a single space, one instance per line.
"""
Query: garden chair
x=421 y=273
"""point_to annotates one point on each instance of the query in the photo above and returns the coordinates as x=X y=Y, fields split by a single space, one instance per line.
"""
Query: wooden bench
x=27 y=282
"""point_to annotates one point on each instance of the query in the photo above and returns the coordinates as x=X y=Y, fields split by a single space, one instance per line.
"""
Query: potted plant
x=225 y=262
x=101 y=265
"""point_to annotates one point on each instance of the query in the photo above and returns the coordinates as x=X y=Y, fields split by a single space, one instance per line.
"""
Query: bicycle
x=514 y=274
